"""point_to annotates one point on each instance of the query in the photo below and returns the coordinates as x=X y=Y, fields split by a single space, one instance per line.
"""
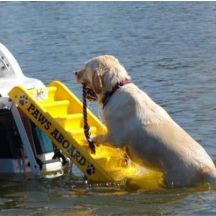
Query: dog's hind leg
x=209 y=175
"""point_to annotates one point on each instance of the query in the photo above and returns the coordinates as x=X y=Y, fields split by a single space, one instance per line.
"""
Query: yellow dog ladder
x=58 y=113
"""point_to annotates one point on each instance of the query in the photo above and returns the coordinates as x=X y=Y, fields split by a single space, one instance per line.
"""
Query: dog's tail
x=210 y=176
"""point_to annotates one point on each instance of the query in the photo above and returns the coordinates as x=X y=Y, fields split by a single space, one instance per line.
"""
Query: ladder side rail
x=25 y=140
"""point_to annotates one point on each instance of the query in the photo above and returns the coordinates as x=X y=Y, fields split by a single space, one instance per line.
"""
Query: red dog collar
x=108 y=94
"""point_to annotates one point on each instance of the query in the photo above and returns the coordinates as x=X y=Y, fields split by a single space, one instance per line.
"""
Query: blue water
x=169 y=48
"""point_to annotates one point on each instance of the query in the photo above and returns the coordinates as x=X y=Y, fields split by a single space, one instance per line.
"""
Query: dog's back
x=154 y=138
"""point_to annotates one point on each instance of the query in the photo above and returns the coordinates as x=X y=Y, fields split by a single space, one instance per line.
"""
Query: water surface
x=169 y=48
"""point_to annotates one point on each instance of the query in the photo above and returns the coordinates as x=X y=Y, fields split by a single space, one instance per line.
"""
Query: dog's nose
x=76 y=73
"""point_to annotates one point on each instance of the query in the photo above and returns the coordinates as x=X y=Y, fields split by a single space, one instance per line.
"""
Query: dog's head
x=101 y=74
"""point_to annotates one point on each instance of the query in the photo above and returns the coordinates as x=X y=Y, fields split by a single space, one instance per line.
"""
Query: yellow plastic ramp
x=58 y=113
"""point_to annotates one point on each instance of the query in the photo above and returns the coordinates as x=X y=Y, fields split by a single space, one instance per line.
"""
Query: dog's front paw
x=100 y=139
x=96 y=140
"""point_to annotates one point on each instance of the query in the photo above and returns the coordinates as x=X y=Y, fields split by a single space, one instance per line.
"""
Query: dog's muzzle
x=90 y=95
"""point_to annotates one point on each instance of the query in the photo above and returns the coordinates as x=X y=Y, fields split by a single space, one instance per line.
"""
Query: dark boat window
x=42 y=143
x=10 y=142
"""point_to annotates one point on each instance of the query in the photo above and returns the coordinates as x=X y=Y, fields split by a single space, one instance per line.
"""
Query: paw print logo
x=90 y=169
x=23 y=100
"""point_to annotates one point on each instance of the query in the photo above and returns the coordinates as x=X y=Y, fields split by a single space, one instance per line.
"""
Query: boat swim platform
x=58 y=113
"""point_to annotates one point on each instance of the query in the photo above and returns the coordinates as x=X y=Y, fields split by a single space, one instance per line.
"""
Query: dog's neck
x=109 y=94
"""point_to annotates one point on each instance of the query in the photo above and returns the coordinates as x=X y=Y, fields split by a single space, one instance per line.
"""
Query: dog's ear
x=97 y=82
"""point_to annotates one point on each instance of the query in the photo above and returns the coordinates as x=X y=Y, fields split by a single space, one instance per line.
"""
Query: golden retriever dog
x=144 y=128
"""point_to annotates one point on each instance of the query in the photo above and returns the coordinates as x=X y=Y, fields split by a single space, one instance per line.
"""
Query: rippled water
x=169 y=48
